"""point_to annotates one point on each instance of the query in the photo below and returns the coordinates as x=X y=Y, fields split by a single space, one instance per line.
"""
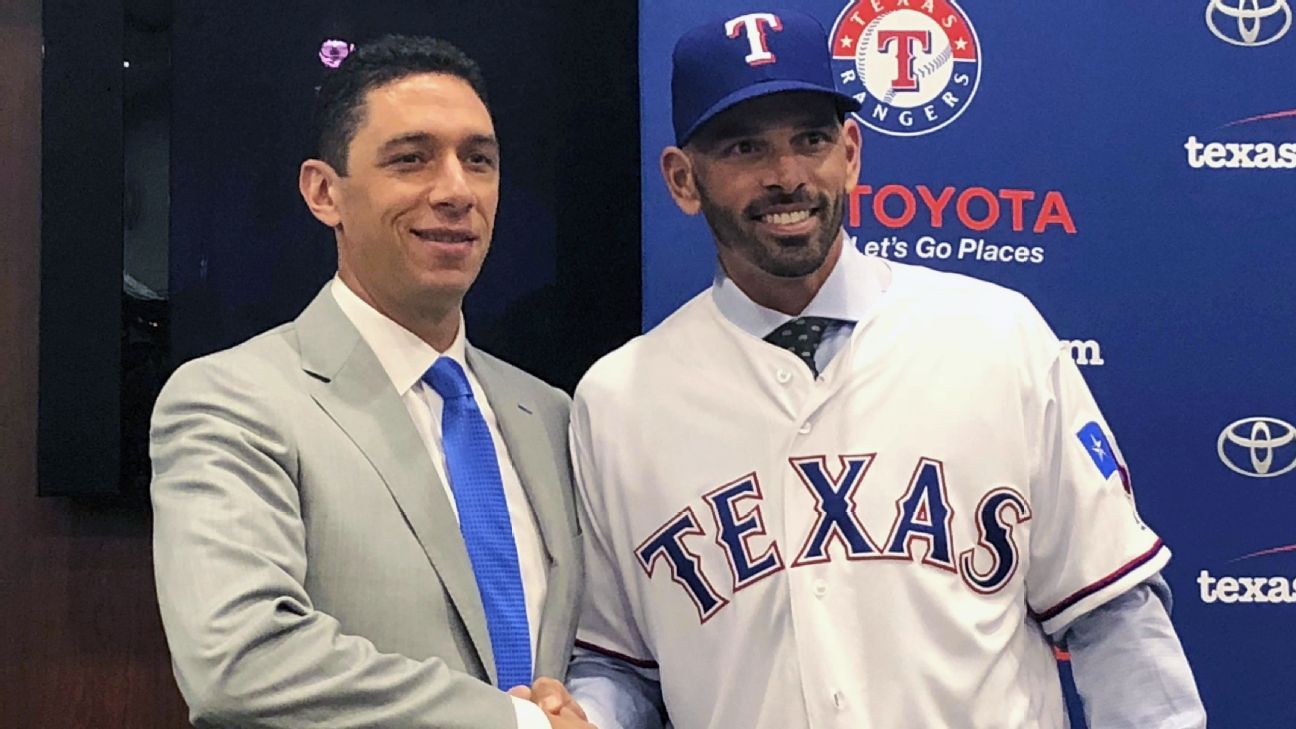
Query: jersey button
x=805 y=428
x=783 y=377
x=838 y=700
x=820 y=588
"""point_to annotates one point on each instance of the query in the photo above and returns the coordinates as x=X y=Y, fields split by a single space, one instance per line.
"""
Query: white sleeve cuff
x=529 y=716
x=1057 y=618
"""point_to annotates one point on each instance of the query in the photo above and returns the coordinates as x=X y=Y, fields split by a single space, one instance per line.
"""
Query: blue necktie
x=484 y=521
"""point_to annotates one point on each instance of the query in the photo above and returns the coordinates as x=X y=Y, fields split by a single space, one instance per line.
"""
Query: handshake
x=559 y=707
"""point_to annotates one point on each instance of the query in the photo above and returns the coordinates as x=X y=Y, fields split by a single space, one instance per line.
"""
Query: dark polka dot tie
x=802 y=337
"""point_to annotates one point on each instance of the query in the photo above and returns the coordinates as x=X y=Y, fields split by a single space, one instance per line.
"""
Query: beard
x=782 y=256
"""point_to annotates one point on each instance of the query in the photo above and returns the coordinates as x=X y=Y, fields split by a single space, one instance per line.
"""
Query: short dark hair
x=339 y=106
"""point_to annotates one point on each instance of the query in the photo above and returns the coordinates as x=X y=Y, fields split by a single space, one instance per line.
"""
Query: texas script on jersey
x=924 y=515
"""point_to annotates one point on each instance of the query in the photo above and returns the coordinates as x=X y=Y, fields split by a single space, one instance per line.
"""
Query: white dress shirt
x=406 y=358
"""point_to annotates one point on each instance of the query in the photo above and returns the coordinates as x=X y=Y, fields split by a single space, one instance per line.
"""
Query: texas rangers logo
x=914 y=65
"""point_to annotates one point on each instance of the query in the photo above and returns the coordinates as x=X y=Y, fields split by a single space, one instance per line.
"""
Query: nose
x=784 y=171
x=450 y=191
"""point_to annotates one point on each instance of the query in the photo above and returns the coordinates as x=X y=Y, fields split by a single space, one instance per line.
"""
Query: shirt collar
x=401 y=353
x=851 y=289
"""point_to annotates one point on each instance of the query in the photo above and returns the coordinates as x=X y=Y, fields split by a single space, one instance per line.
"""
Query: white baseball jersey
x=883 y=547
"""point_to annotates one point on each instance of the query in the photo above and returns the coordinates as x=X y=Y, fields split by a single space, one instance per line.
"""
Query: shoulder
x=947 y=291
x=643 y=363
x=263 y=364
x=662 y=347
x=543 y=394
x=243 y=399
x=974 y=318
x=952 y=301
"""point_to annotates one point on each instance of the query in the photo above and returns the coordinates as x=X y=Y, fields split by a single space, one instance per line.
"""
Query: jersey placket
x=823 y=690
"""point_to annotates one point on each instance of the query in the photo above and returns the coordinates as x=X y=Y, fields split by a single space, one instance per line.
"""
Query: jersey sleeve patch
x=1098 y=446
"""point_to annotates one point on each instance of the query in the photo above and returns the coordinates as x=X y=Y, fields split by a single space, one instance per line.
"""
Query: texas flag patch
x=1098 y=446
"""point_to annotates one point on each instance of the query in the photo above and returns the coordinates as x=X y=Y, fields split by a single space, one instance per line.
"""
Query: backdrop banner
x=1131 y=167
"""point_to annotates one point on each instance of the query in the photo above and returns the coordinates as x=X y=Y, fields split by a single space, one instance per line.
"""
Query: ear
x=318 y=183
x=853 y=142
x=677 y=170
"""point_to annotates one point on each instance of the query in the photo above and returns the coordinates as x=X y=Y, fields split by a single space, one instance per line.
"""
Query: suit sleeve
x=1088 y=544
x=248 y=648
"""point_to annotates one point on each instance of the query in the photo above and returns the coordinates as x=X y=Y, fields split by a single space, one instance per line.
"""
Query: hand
x=568 y=721
x=552 y=698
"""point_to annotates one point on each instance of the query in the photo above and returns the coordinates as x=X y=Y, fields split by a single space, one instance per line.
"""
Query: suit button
x=783 y=377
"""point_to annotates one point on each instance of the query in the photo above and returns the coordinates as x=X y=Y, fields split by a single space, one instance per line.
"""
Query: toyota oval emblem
x=1258 y=447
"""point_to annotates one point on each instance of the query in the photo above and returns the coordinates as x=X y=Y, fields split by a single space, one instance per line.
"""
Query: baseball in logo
x=914 y=66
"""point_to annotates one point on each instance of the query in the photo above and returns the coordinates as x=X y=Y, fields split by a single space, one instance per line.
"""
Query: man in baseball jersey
x=838 y=491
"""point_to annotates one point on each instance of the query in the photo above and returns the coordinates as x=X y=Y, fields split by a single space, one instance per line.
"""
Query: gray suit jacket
x=309 y=567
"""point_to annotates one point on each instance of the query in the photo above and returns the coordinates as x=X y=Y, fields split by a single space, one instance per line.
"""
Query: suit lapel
x=352 y=387
x=533 y=455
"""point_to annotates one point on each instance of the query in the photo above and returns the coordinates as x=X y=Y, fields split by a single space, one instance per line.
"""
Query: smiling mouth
x=789 y=218
x=445 y=235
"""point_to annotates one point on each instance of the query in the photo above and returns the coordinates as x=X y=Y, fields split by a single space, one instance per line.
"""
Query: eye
x=481 y=161
x=742 y=148
x=817 y=139
x=408 y=159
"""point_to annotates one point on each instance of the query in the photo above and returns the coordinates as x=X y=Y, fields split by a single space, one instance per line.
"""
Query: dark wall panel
x=80 y=637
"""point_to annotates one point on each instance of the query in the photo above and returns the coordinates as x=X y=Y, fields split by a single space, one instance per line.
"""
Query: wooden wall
x=81 y=643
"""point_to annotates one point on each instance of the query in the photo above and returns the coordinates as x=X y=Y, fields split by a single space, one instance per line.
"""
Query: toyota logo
x=1251 y=19
x=1259 y=441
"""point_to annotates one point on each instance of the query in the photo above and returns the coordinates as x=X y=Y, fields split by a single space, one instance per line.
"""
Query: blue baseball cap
x=726 y=62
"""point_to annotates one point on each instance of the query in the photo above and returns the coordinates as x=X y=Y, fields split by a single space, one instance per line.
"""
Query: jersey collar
x=855 y=284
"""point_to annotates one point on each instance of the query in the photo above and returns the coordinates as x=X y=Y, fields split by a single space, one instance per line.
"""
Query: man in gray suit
x=360 y=520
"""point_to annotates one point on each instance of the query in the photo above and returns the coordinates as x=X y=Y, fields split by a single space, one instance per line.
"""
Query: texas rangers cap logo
x=914 y=64
x=720 y=64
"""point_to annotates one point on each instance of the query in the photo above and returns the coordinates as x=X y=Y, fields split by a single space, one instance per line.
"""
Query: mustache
x=757 y=208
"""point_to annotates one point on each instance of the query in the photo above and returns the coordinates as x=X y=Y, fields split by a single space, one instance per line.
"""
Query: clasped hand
x=558 y=705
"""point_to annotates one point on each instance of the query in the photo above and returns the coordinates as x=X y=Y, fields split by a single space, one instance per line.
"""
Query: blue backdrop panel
x=1132 y=168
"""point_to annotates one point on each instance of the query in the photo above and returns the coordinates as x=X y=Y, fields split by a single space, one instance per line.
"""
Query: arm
x=1129 y=667
x=612 y=674
x=1094 y=578
x=615 y=693
x=248 y=647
